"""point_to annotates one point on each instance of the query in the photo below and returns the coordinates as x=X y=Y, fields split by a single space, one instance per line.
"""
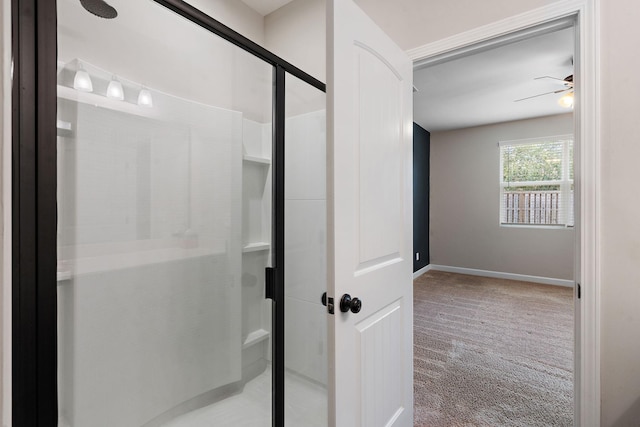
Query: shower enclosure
x=191 y=224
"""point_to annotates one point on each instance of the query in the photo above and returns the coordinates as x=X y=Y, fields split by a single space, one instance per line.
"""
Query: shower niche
x=256 y=246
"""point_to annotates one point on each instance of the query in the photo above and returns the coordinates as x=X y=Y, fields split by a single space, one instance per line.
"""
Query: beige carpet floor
x=492 y=352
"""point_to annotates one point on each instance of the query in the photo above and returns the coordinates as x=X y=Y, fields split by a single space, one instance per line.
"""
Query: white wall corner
x=420 y=272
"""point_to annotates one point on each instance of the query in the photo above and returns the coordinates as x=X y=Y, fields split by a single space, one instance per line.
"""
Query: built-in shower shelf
x=256 y=246
x=259 y=160
x=64 y=128
x=61 y=276
x=255 y=337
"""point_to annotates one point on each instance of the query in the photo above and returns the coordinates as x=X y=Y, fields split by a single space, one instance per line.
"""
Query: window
x=536 y=181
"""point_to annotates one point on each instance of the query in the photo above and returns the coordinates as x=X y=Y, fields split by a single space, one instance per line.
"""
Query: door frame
x=587 y=124
x=33 y=363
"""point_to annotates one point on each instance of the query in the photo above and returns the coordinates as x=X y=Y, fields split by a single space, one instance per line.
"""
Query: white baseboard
x=421 y=271
x=498 y=275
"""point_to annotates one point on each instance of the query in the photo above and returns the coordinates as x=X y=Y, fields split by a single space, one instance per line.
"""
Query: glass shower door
x=305 y=254
x=164 y=219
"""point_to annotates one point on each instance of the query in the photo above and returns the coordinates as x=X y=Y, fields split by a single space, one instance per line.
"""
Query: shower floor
x=306 y=405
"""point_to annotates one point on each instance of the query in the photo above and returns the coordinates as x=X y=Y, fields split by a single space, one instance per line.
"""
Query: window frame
x=566 y=210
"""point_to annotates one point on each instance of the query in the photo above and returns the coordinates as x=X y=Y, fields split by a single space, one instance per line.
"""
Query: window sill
x=538 y=227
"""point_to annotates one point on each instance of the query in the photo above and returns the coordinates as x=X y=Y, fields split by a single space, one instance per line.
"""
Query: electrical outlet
x=417 y=256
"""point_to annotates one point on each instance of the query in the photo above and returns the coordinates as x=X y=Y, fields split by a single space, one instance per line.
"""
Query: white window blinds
x=536 y=181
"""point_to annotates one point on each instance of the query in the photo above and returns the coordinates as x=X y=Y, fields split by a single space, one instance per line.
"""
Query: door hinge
x=579 y=291
x=269 y=280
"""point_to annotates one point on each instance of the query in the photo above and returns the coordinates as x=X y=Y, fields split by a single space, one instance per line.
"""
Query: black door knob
x=350 y=304
x=324 y=299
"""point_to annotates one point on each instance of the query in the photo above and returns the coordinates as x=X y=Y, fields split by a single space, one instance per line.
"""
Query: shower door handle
x=269 y=283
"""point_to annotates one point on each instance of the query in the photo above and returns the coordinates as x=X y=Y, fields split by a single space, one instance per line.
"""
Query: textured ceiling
x=481 y=89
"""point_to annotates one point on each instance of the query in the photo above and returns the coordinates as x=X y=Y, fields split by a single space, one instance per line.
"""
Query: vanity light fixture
x=82 y=80
x=115 y=90
x=144 y=98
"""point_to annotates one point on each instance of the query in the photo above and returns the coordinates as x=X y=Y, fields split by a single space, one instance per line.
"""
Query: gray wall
x=620 y=209
x=465 y=204
x=413 y=23
x=296 y=32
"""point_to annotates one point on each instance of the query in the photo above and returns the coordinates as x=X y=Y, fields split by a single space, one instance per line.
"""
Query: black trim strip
x=278 y=244
x=205 y=21
x=34 y=357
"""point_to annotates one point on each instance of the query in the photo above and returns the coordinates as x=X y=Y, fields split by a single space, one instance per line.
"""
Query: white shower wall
x=159 y=303
x=305 y=242
x=305 y=245
x=150 y=262
x=144 y=314
x=256 y=220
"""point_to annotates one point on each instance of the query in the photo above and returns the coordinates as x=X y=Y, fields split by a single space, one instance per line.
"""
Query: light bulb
x=82 y=80
x=115 y=90
x=144 y=98
x=566 y=101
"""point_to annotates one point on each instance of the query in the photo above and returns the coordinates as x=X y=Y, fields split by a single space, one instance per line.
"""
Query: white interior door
x=369 y=129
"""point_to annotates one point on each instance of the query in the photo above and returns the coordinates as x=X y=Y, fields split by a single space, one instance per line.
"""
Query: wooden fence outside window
x=531 y=207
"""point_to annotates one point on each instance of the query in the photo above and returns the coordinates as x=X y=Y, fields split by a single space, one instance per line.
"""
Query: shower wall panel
x=150 y=260
x=305 y=245
x=306 y=318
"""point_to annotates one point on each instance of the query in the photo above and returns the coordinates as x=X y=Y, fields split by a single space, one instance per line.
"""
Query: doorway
x=487 y=222
x=586 y=299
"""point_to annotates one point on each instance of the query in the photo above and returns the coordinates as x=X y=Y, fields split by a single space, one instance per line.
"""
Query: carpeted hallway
x=492 y=352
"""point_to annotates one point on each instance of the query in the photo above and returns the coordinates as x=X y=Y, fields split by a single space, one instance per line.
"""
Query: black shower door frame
x=34 y=176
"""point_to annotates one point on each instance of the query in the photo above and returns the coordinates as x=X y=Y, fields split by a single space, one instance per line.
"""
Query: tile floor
x=306 y=405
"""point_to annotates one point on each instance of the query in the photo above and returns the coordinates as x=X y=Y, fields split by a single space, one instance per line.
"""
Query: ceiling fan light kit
x=566 y=101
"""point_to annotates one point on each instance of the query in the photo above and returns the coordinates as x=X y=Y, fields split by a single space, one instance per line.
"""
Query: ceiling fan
x=567 y=82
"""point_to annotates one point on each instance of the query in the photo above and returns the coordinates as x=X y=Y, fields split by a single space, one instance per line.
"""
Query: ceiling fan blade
x=565 y=82
x=549 y=77
x=542 y=94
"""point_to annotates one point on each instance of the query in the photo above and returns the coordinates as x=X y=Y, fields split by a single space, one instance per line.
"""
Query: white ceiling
x=481 y=89
x=265 y=7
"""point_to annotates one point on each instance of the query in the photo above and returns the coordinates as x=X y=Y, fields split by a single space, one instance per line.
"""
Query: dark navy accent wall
x=421 y=141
